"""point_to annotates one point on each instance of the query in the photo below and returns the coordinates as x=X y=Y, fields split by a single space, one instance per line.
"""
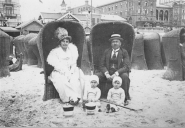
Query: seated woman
x=66 y=76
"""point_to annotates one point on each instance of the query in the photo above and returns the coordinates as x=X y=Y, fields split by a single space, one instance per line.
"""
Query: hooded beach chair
x=49 y=41
x=175 y=66
x=99 y=39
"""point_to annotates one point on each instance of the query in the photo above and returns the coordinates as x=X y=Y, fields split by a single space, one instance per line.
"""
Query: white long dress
x=67 y=78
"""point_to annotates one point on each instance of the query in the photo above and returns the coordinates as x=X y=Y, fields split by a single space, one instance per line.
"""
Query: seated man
x=115 y=62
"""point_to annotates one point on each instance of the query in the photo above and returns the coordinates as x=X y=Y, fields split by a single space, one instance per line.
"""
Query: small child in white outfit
x=116 y=95
x=93 y=93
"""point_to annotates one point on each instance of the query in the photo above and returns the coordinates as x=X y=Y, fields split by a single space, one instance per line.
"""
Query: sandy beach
x=160 y=103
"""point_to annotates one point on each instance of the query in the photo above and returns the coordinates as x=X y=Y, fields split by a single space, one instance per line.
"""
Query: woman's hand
x=73 y=68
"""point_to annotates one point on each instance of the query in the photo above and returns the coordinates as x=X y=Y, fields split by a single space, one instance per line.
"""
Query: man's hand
x=112 y=77
x=108 y=76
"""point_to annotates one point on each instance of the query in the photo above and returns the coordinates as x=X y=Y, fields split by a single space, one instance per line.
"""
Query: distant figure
x=12 y=59
x=16 y=63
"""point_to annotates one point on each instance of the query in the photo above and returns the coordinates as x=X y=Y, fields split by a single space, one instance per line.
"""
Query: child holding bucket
x=116 y=95
x=93 y=93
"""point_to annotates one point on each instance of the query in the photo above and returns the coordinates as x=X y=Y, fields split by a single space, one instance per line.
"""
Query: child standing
x=116 y=95
x=93 y=93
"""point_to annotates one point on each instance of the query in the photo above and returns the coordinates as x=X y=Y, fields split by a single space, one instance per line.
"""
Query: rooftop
x=9 y=29
x=112 y=18
x=109 y=3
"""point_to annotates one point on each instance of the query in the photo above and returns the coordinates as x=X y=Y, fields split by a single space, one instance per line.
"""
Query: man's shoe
x=125 y=103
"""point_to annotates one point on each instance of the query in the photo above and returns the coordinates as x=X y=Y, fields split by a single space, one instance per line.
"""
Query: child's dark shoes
x=107 y=108
x=113 y=109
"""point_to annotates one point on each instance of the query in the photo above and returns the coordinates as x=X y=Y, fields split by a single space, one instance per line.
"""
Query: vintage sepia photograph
x=92 y=63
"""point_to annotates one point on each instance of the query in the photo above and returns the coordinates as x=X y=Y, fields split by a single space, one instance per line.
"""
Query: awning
x=9 y=29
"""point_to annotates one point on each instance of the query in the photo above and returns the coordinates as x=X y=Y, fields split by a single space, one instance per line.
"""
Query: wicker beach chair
x=175 y=66
x=152 y=49
x=48 y=41
x=138 y=60
x=99 y=38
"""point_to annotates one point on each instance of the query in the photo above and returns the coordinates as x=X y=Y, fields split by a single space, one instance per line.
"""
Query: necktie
x=114 y=55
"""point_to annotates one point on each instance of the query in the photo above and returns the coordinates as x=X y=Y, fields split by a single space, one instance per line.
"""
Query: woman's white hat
x=63 y=34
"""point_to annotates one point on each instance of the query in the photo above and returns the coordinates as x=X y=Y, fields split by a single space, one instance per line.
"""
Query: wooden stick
x=119 y=105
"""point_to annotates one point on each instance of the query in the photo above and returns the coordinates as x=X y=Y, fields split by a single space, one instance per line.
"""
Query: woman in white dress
x=67 y=78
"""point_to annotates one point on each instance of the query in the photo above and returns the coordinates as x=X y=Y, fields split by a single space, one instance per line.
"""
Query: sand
x=160 y=103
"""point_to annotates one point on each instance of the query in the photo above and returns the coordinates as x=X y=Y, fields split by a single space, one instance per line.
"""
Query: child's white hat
x=94 y=77
x=117 y=78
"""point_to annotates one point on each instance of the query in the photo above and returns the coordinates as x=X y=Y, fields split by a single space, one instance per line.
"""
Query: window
x=98 y=20
x=139 y=2
x=151 y=11
x=93 y=21
x=8 y=1
x=9 y=10
x=146 y=4
x=139 y=11
x=116 y=7
x=121 y=13
x=112 y=8
x=109 y=9
x=79 y=9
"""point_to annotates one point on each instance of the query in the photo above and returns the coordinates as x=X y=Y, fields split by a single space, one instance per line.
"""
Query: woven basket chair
x=138 y=60
x=49 y=41
x=4 y=54
x=152 y=48
x=99 y=38
x=32 y=59
x=20 y=48
x=171 y=41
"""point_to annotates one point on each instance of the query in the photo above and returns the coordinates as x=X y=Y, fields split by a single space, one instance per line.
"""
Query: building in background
x=118 y=7
x=81 y=14
x=137 y=12
x=86 y=8
x=10 y=13
x=32 y=26
x=141 y=12
x=164 y=15
x=176 y=12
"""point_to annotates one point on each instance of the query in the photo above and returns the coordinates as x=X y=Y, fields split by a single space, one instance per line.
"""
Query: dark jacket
x=123 y=61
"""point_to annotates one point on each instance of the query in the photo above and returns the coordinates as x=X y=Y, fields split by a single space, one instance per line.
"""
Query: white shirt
x=117 y=95
x=92 y=94
x=114 y=51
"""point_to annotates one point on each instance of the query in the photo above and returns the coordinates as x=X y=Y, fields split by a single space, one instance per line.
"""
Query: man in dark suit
x=115 y=62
